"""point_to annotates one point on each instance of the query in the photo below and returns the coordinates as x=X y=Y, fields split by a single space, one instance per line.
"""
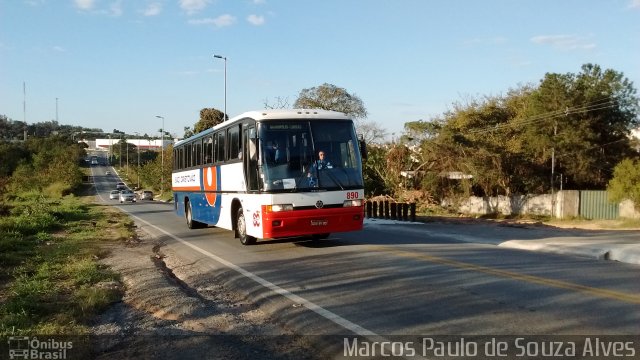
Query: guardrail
x=391 y=210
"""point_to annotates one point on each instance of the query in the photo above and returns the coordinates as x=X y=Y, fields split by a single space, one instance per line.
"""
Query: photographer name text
x=590 y=347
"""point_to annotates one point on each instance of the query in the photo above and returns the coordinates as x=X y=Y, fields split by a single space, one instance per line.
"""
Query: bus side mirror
x=363 y=147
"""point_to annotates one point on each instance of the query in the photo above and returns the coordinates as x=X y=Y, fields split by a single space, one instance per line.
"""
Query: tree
x=584 y=120
x=507 y=142
x=209 y=117
x=331 y=97
x=374 y=172
x=625 y=183
x=48 y=161
x=188 y=132
x=280 y=103
x=10 y=157
x=372 y=132
x=10 y=129
x=152 y=172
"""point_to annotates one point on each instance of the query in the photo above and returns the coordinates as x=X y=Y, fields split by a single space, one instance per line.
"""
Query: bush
x=57 y=190
x=625 y=183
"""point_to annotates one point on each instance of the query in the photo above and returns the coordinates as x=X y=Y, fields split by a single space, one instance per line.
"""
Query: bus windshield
x=289 y=156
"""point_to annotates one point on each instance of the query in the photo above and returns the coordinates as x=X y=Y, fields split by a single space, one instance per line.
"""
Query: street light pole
x=138 y=148
x=224 y=117
x=161 y=155
x=120 y=154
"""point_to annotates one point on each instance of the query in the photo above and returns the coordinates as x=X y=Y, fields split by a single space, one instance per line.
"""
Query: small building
x=142 y=144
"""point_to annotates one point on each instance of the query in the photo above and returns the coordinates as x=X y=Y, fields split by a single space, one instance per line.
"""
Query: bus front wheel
x=242 y=230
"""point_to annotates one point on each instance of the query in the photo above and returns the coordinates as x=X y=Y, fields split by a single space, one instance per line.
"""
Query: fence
x=563 y=204
x=391 y=210
x=596 y=205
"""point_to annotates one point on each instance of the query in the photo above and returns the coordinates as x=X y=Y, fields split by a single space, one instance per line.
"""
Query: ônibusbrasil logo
x=25 y=347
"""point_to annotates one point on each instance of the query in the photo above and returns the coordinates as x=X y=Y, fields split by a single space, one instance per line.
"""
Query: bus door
x=250 y=157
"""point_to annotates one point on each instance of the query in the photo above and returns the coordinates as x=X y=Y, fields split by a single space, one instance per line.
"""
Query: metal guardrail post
x=413 y=212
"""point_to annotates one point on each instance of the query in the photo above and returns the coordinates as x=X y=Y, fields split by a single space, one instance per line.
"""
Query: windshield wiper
x=335 y=180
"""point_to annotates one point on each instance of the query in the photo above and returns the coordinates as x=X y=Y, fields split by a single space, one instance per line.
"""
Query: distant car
x=127 y=195
x=114 y=195
x=146 y=195
x=107 y=172
x=121 y=186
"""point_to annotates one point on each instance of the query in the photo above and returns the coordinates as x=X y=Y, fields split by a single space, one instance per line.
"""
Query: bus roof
x=280 y=114
x=275 y=114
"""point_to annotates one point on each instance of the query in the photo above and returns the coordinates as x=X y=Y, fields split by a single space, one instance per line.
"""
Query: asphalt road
x=408 y=279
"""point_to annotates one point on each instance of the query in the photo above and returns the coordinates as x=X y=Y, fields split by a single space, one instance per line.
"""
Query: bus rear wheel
x=242 y=229
x=192 y=224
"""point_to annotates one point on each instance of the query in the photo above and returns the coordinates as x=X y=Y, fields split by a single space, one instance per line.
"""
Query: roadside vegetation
x=569 y=130
x=51 y=240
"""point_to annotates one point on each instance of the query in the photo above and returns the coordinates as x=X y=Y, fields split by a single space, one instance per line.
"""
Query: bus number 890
x=352 y=195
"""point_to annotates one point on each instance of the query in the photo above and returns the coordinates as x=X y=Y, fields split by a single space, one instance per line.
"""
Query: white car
x=145 y=195
x=114 y=195
x=127 y=195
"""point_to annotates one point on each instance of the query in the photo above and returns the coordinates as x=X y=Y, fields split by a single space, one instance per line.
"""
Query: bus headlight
x=350 y=203
x=279 y=207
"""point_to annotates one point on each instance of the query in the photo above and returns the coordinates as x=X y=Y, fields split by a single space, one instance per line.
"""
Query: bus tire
x=242 y=229
x=320 y=236
x=188 y=214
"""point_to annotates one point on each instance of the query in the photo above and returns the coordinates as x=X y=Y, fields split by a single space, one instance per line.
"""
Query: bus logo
x=319 y=204
x=18 y=347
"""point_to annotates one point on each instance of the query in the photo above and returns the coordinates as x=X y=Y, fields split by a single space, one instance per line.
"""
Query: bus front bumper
x=309 y=222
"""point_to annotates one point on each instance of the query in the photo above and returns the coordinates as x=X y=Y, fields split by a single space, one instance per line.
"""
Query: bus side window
x=233 y=137
x=208 y=149
x=220 y=146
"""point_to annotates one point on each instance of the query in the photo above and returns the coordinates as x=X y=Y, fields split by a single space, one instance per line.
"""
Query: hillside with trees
x=570 y=130
x=567 y=131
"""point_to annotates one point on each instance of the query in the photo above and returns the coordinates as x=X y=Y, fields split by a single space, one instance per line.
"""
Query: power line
x=594 y=147
x=597 y=105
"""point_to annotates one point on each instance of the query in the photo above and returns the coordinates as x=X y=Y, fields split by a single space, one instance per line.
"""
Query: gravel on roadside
x=163 y=315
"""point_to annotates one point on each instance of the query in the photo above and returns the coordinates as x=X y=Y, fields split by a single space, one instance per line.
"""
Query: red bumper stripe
x=308 y=222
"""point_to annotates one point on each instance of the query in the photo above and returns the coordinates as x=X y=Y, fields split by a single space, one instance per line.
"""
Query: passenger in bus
x=278 y=153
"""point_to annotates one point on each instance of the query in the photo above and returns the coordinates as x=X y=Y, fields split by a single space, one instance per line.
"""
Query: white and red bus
x=258 y=175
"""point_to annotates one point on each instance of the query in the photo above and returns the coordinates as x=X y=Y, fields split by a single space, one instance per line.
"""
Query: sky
x=117 y=64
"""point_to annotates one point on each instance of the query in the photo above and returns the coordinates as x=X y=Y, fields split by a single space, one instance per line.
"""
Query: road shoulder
x=165 y=314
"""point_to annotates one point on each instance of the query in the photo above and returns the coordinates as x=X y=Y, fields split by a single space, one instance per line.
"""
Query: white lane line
x=335 y=318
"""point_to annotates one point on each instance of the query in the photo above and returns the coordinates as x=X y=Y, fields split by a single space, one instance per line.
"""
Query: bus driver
x=322 y=163
x=319 y=164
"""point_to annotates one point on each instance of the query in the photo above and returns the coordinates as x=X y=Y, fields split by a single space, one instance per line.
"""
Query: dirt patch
x=530 y=223
x=163 y=314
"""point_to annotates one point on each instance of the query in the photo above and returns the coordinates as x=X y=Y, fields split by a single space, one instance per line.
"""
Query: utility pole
x=553 y=168
x=553 y=163
x=224 y=117
x=138 y=147
x=161 y=155
x=24 y=107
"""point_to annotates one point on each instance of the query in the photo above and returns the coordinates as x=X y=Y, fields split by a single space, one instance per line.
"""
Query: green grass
x=618 y=224
x=49 y=272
